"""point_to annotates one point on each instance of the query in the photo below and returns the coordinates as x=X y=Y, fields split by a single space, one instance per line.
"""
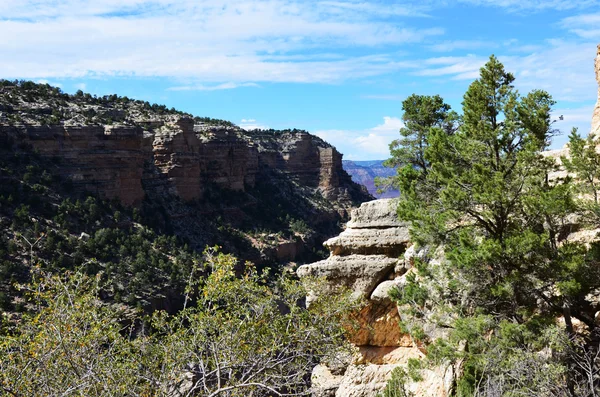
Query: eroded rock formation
x=184 y=158
x=371 y=256
x=103 y=159
x=596 y=116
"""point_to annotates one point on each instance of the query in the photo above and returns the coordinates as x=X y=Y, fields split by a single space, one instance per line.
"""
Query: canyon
x=206 y=180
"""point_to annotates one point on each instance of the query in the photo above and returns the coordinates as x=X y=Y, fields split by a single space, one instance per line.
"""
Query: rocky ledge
x=373 y=255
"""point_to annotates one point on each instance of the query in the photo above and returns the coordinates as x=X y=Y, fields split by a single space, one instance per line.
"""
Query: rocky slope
x=373 y=255
x=365 y=172
x=190 y=172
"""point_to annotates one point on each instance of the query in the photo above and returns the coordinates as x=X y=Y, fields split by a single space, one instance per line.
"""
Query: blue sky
x=339 y=69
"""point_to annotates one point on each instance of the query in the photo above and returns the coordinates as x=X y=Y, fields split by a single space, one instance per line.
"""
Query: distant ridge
x=365 y=172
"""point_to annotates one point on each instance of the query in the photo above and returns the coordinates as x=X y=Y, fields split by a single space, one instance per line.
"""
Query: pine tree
x=486 y=198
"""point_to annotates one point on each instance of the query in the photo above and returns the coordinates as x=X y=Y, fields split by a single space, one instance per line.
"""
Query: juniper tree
x=486 y=197
x=421 y=114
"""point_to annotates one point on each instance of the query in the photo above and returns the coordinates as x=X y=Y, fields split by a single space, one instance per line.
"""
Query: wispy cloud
x=535 y=5
x=252 y=124
x=584 y=25
x=459 y=68
x=213 y=41
x=372 y=143
x=453 y=45
x=563 y=68
x=202 y=87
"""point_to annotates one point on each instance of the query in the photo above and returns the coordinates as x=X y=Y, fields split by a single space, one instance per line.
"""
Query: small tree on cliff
x=486 y=198
x=421 y=114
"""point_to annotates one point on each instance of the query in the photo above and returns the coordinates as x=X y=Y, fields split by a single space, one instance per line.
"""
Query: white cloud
x=563 y=68
x=202 y=87
x=252 y=124
x=370 y=144
x=584 y=25
x=460 y=68
x=210 y=41
x=447 y=46
x=81 y=86
x=44 y=81
x=535 y=5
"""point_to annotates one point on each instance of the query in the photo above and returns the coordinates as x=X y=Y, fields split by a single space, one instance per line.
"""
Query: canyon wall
x=181 y=157
x=107 y=160
x=373 y=255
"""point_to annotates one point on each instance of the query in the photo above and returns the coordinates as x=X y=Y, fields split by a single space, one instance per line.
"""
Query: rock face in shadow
x=107 y=160
x=373 y=255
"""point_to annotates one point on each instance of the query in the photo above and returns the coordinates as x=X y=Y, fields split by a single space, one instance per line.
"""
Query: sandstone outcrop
x=372 y=256
x=596 y=115
x=121 y=148
x=109 y=159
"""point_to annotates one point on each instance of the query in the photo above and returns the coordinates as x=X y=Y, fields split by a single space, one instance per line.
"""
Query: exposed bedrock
x=596 y=115
x=184 y=159
x=372 y=256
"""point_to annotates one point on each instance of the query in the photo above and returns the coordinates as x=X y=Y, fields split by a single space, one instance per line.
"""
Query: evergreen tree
x=486 y=198
x=422 y=113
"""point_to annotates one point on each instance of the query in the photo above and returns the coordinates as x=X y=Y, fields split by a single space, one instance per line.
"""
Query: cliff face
x=596 y=116
x=373 y=255
x=109 y=160
x=265 y=196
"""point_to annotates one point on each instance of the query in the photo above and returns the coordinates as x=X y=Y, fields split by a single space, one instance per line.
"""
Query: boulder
x=360 y=273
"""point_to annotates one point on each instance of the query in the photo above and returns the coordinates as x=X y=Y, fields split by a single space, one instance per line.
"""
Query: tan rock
x=372 y=256
x=368 y=380
x=324 y=382
x=360 y=273
x=391 y=242
x=375 y=214
x=169 y=154
x=596 y=115
x=364 y=380
x=377 y=324
x=382 y=291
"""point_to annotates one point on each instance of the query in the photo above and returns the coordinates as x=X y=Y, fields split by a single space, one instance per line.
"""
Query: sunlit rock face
x=176 y=156
x=373 y=255
x=596 y=115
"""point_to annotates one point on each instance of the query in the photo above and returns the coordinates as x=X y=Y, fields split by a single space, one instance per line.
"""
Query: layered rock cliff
x=373 y=255
x=207 y=180
x=109 y=159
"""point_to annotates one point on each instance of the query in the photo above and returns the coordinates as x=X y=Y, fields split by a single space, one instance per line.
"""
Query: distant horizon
x=338 y=69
